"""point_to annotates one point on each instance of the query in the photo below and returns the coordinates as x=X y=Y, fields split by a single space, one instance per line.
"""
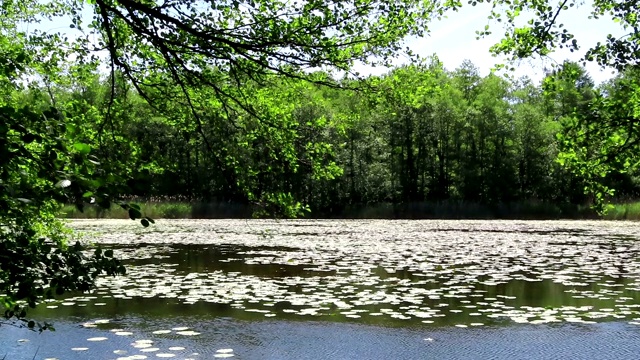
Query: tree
x=36 y=163
x=185 y=59
x=543 y=32
x=612 y=120
x=602 y=137
x=188 y=45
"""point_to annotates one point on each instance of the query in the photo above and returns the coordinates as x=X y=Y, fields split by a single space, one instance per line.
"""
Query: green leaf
x=104 y=203
x=144 y=222
x=82 y=148
x=134 y=213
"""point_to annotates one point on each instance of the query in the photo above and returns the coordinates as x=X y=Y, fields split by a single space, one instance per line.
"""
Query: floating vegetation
x=187 y=333
x=465 y=274
x=224 y=353
x=142 y=344
x=99 y=338
x=431 y=272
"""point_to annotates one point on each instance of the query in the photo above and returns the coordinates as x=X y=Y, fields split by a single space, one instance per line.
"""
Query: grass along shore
x=422 y=210
x=626 y=211
x=161 y=210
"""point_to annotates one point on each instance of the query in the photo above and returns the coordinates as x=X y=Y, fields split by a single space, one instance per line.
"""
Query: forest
x=421 y=140
x=256 y=103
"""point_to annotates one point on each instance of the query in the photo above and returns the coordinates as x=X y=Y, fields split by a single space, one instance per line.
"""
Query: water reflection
x=392 y=275
x=415 y=274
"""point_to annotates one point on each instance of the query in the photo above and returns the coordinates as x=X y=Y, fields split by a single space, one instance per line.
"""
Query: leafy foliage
x=601 y=137
x=42 y=163
x=201 y=71
x=35 y=167
x=608 y=123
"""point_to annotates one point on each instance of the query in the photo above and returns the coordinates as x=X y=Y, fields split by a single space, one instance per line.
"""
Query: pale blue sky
x=453 y=40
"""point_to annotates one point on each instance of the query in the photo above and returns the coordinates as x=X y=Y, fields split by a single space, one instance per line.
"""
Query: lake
x=351 y=289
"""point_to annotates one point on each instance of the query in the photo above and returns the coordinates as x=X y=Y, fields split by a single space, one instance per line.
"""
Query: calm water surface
x=261 y=289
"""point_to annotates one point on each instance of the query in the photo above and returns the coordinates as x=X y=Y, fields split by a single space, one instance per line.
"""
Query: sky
x=453 y=39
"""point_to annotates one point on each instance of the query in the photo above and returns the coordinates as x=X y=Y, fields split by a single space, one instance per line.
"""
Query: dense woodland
x=419 y=134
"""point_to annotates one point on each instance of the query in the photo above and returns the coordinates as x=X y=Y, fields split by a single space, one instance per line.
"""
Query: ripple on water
x=473 y=274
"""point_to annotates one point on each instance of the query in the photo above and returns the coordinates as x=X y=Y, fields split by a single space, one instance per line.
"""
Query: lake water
x=335 y=289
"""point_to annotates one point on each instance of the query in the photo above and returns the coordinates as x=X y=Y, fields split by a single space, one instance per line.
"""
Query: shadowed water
x=351 y=289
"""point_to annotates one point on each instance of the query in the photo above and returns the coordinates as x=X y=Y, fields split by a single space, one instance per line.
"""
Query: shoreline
x=451 y=210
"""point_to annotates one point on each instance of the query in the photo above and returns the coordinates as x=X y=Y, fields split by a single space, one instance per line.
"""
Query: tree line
x=418 y=134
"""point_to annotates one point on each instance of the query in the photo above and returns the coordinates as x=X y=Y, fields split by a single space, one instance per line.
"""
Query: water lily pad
x=187 y=333
x=98 y=338
x=143 y=341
